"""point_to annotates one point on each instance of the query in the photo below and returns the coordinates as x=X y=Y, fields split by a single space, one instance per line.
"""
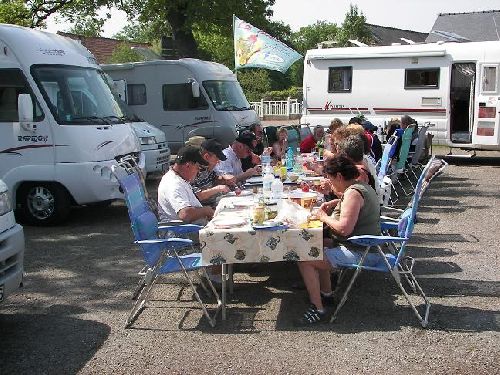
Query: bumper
x=11 y=260
x=157 y=159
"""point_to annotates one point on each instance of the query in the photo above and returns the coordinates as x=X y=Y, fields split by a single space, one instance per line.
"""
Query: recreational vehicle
x=11 y=247
x=184 y=98
x=452 y=86
x=61 y=129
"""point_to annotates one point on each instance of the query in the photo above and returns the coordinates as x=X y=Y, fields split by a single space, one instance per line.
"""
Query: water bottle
x=289 y=159
x=276 y=190
x=267 y=180
x=297 y=165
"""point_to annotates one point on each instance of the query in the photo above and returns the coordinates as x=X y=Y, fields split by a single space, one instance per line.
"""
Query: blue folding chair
x=161 y=255
x=383 y=166
x=396 y=264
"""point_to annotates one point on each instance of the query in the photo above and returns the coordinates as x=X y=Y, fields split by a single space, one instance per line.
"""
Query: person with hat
x=176 y=199
x=207 y=185
x=239 y=149
x=376 y=149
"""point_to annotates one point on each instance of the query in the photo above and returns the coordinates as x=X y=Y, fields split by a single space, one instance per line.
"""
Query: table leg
x=223 y=287
x=231 y=278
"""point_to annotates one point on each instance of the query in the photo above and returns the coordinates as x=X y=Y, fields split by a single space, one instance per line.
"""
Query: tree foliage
x=15 y=12
x=354 y=27
x=123 y=54
x=88 y=26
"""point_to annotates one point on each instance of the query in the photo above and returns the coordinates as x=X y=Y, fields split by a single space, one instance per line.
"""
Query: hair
x=253 y=126
x=355 y=120
x=335 y=124
x=340 y=163
x=353 y=147
x=355 y=129
x=281 y=129
x=407 y=120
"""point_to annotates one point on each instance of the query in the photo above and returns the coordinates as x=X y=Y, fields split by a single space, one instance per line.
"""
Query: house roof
x=101 y=48
x=475 y=26
x=385 y=36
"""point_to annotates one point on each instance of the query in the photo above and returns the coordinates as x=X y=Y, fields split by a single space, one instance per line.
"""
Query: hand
x=209 y=212
x=324 y=187
x=255 y=159
x=255 y=170
x=321 y=214
x=267 y=151
x=228 y=179
x=329 y=206
x=223 y=189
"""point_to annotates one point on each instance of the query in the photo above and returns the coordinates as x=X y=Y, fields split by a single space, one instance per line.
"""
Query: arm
x=351 y=205
x=203 y=195
x=247 y=174
x=190 y=214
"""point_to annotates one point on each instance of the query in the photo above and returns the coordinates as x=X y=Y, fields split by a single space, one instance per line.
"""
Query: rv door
x=486 y=119
x=120 y=87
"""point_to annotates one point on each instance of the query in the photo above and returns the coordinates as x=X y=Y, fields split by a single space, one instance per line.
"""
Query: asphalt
x=69 y=317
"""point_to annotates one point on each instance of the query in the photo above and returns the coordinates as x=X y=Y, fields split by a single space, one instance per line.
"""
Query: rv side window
x=12 y=83
x=422 y=78
x=136 y=94
x=340 y=79
x=489 y=79
x=179 y=97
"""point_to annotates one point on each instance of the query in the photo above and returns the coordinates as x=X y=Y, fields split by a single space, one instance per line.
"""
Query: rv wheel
x=42 y=203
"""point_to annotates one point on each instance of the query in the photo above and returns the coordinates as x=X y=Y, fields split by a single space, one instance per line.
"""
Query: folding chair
x=402 y=158
x=383 y=166
x=395 y=264
x=161 y=254
x=414 y=157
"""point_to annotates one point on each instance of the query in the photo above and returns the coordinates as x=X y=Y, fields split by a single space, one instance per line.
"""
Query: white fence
x=282 y=108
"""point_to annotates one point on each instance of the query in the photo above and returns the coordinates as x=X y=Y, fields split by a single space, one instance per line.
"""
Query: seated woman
x=281 y=145
x=357 y=212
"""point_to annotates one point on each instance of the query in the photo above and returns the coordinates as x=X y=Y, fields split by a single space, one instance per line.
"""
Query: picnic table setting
x=261 y=224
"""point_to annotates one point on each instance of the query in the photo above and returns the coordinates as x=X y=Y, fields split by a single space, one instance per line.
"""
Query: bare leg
x=311 y=272
x=325 y=281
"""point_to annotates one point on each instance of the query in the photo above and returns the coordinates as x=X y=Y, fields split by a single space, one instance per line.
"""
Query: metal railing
x=277 y=108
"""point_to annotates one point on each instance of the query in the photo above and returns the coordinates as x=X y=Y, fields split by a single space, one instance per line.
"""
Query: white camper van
x=454 y=86
x=11 y=247
x=61 y=129
x=184 y=98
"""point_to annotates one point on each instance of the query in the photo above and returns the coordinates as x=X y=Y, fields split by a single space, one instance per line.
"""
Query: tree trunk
x=182 y=32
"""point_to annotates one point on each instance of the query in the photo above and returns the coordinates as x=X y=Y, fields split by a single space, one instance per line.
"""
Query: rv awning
x=373 y=53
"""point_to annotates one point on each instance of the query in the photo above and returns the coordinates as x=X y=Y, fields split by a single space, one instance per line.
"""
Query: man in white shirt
x=241 y=148
x=176 y=200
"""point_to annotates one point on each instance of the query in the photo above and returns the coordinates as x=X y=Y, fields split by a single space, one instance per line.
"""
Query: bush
x=292 y=93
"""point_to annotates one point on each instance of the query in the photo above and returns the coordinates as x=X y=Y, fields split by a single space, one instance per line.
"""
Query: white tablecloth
x=246 y=245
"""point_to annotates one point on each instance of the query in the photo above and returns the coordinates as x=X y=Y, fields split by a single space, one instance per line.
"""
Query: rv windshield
x=78 y=96
x=226 y=95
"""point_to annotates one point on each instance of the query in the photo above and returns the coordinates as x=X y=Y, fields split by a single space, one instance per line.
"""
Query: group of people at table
x=203 y=171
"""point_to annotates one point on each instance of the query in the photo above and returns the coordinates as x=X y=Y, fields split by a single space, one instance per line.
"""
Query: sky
x=416 y=15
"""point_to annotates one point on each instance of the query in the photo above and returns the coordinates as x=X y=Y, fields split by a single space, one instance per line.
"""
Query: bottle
x=297 y=165
x=289 y=159
x=276 y=190
x=320 y=147
x=267 y=180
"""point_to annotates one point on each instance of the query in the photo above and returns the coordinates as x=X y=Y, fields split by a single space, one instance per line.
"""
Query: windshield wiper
x=92 y=119
x=122 y=119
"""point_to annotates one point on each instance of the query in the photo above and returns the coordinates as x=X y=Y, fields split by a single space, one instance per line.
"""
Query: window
x=12 y=83
x=489 y=79
x=422 y=78
x=136 y=94
x=179 y=97
x=340 y=79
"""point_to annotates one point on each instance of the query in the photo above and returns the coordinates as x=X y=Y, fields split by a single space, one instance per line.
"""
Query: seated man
x=257 y=149
x=176 y=200
x=207 y=185
x=308 y=144
x=239 y=149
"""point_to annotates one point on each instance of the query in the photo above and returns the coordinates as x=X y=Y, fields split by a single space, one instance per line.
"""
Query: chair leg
x=145 y=280
x=396 y=273
x=211 y=319
x=354 y=277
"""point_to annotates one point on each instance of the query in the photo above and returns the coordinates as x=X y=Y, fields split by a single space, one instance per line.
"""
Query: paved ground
x=69 y=316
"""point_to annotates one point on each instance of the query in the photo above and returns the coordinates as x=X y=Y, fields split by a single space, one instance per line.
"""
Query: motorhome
x=11 y=247
x=184 y=98
x=61 y=129
x=452 y=86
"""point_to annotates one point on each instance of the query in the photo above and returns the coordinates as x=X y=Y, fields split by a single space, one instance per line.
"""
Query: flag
x=254 y=48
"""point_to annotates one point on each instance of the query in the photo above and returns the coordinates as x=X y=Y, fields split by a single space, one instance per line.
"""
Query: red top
x=308 y=144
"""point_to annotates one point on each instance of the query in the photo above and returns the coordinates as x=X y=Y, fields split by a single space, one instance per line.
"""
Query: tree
x=354 y=27
x=14 y=12
x=123 y=54
x=254 y=82
x=88 y=26
x=309 y=36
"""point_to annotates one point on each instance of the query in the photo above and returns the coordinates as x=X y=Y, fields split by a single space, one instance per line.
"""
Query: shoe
x=310 y=317
x=328 y=300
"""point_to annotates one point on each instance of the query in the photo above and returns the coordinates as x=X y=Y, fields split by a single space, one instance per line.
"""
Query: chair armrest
x=386 y=225
x=367 y=240
x=180 y=228
x=177 y=241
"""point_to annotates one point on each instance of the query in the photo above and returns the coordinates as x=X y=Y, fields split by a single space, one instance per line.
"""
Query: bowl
x=305 y=199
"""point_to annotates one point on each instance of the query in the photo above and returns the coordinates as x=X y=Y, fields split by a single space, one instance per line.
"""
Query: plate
x=311 y=178
x=242 y=194
x=228 y=222
x=270 y=224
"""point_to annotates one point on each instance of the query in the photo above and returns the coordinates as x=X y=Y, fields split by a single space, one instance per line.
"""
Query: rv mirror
x=25 y=112
x=195 y=88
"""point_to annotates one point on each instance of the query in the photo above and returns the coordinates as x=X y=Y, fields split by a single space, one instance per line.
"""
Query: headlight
x=148 y=140
x=4 y=203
